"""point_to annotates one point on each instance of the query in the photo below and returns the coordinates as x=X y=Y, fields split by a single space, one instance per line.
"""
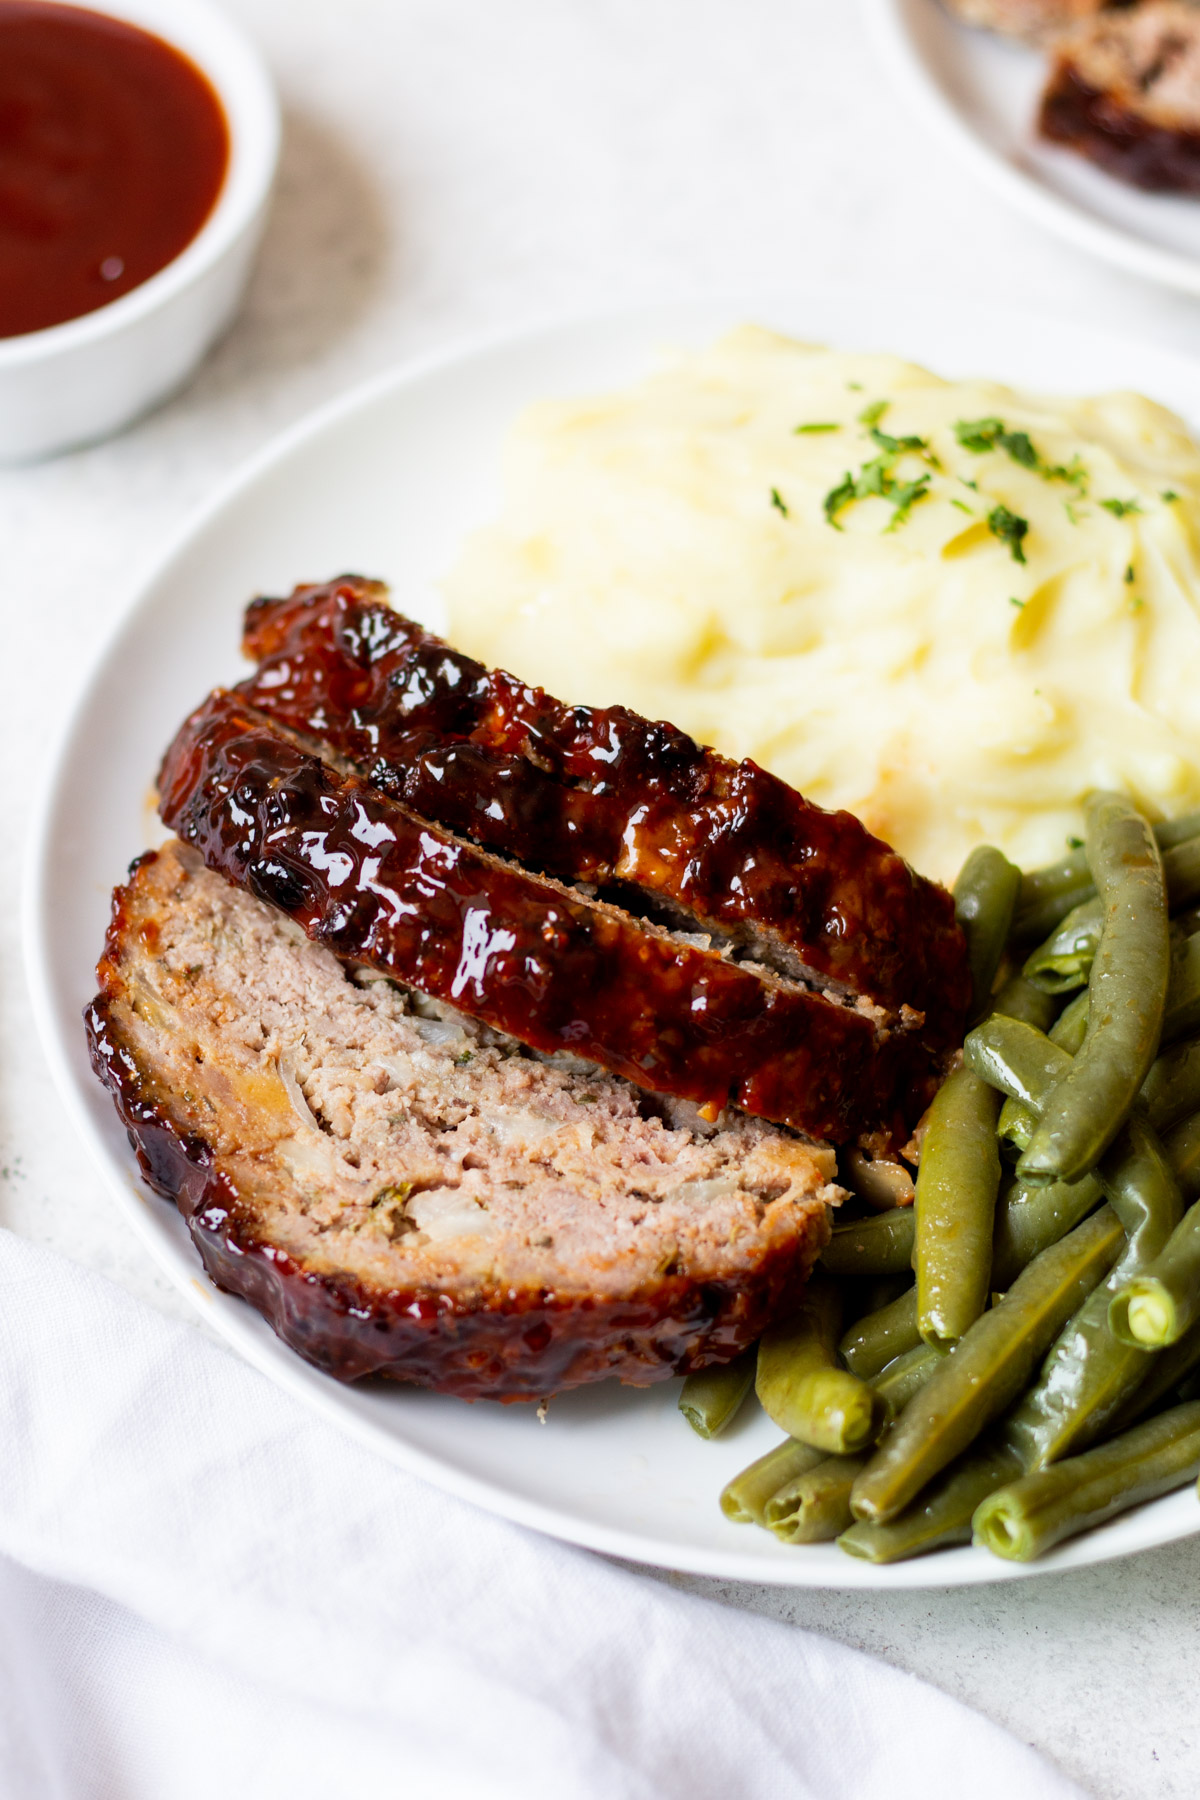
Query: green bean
x=710 y=1398
x=1089 y=1373
x=1070 y=1028
x=1063 y=962
x=1134 y=1173
x=1018 y=1121
x=880 y=1245
x=1128 y=986
x=1164 y=1374
x=905 y=1376
x=942 y=1514
x=1029 y=1220
x=1171 y=1374
x=1156 y=1307
x=957 y=1184
x=987 y=1369
x=1177 y=831
x=870 y=1294
x=873 y=1342
x=816 y=1506
x=1028 y=1517
x=1181 y=1015
x=744 y=1499
x=1048 y=895
x=1182 y=1147
x=799 y=1384
x=1019 y=999
x=1016 y=1059
x=1181 y=871
x=1016 y=1124
x=984 y=896
x=1171 y=1091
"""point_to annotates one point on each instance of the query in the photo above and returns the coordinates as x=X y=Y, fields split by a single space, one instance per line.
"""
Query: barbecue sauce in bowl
x=113 y=151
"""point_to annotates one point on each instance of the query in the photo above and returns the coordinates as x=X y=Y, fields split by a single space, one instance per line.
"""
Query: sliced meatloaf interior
x=402 y=1191
x=1124 y=89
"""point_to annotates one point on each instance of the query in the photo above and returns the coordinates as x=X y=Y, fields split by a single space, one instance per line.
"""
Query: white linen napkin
x=204 y=1590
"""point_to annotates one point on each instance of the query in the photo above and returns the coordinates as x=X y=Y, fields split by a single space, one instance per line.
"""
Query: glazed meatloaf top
x=402 y=1190
x=660 y=824
x=555 y=967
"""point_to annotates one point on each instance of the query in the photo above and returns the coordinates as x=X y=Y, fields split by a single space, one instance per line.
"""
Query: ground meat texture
x=552 y=967
x=659 y=824
x=1023 y=18
x=1124 y=90
x=402 y=1192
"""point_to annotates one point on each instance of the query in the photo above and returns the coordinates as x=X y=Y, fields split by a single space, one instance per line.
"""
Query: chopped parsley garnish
x=1129 y=575
x=901 y=446
x=810 y=430
x=871 y=415
x=1137 y=603
x=1119 y=508
x=980 y=435
x=778 y=502
x=1010 y=528
x=877 y=480
x=855 y=387
x=963 y=507
x=1169 y=495
x=839 y=497
x=1074 y=843
x=1013 y=601
x=904 y=496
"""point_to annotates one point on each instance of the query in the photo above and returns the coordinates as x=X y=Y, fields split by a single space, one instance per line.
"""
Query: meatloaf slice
x=601 y=795
x=402 y=1192
x=546 y=964
x=1023 y=18
x=1124 y=89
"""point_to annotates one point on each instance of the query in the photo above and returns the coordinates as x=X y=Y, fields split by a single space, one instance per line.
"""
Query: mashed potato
x=948 y=606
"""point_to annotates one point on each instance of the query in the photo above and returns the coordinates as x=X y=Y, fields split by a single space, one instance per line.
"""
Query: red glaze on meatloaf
x=550 y=966
x=658 y=823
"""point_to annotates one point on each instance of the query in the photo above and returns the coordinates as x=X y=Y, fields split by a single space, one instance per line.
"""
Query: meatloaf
x=1023 y=18
x=404 y=1192
x=1124 y=89
x=550 y=965
x=659 y=824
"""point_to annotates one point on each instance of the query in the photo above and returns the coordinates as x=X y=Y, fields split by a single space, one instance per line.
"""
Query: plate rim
x=900 y=54
x=233 y=1320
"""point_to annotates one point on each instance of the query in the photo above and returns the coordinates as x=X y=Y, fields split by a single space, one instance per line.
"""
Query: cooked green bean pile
x=1012 y=1356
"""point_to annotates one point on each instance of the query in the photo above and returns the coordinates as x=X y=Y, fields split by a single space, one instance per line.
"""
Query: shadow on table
x=328 y=240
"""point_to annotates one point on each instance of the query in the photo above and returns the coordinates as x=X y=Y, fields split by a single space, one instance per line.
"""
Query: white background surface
x=456 y=165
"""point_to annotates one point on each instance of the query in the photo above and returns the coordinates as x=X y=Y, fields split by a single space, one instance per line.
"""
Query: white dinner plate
x=387 y=482
x=982 y=91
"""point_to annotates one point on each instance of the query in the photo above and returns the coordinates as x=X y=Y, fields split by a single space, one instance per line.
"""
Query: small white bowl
x=92 y=375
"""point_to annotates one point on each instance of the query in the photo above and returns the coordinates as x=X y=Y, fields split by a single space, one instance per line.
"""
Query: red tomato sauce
x=113 y=150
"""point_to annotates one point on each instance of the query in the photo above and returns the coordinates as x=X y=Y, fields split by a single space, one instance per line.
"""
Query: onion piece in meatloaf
x=401 y=1191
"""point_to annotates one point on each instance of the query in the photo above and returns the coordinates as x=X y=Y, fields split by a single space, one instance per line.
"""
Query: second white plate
x=981 y=91
x=387 y=482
